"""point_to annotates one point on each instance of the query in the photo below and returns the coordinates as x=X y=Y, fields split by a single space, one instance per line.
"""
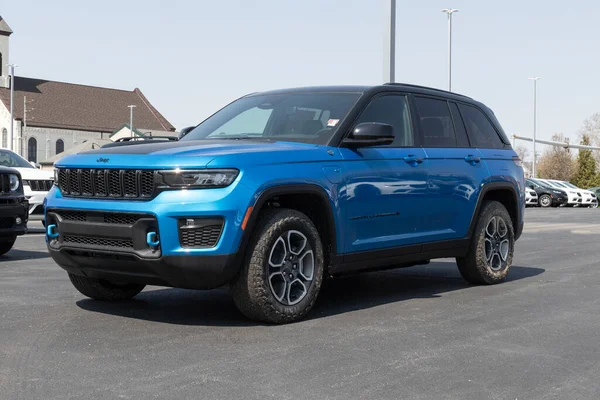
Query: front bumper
x=8 y=218
x=102 y=245
x=559 y=200
x=188 y=272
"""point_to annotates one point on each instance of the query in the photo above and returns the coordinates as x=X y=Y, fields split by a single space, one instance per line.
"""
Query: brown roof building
x=51 y=117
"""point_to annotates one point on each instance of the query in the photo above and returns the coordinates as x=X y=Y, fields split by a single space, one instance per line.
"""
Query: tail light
x=517 y=161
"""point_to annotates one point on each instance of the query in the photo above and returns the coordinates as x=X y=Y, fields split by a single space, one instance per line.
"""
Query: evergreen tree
x=586 y=176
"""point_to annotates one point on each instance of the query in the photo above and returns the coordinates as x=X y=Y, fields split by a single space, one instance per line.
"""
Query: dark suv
x=279 y=190
x=547 y=196
x=13 y=208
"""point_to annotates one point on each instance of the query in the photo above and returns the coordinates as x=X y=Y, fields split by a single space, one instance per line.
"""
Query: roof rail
x=425 y=87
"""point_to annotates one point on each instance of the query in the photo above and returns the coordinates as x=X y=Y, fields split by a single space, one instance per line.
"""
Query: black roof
x=405 y=87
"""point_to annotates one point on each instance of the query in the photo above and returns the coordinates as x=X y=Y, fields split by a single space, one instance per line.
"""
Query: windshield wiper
x=242 y=138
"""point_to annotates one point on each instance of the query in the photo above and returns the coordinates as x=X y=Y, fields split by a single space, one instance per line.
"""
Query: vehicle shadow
x=338 y=296
x=16 y=255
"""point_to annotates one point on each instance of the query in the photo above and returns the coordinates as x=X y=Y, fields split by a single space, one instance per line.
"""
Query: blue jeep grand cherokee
x=279 y=190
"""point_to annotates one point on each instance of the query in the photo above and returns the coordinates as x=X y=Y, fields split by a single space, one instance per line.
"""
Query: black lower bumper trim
x=188 y=272
x=12 y=212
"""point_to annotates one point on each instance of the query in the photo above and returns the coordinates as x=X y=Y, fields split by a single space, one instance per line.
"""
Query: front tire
x=6 y=243
x=545 y=201
x=491 y=251
x=283 y=271
x=98 y=289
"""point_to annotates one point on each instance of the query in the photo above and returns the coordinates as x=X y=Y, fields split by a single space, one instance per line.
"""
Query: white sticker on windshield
x=333 y=122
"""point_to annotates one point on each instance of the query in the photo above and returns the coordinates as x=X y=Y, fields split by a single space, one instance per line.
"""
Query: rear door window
x=480 y=130
x=436 y=122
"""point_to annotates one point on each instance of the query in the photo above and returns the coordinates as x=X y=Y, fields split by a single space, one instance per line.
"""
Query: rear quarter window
x=480 y=130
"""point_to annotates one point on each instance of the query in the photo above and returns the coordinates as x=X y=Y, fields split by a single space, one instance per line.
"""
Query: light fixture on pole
x=12 y=104
x=389 y=51
x=131 y=107
x=449 y=12
x=534 y=79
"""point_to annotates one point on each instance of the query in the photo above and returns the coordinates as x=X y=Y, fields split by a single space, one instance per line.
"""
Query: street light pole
x=12 y=104
x=534 y=79
x=389 y=51
x=449 y=12
x=131 y=107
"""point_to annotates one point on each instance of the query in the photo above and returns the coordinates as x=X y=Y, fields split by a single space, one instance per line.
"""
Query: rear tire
x=6 y=243
x=98 y=289
x=283 y=271
x=491 y=251
x=545 y=201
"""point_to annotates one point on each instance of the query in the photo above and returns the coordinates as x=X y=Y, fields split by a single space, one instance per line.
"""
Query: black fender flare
x=490 y=187
x=286 y=189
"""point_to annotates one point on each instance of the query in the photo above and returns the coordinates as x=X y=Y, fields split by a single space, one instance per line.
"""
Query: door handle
x=413 y=160
x=471 y=159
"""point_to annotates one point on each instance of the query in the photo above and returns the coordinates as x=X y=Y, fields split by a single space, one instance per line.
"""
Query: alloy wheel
x=545 y=201
x=291 y=267
x=497 y=244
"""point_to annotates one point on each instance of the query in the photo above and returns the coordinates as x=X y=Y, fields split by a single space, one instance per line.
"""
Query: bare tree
x=522 y=152
x=556 y=162
x=591 y=129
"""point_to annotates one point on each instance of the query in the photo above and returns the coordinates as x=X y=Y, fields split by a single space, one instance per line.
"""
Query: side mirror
x=185 y=131
x=34 y=165
x=370 y=134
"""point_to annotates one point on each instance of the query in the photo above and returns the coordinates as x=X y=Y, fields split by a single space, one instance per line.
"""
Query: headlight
x=215 y=178
x=56 y=176
x=14 y=182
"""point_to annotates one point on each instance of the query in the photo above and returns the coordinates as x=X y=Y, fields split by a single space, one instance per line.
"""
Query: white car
x=531 y=198
x=589 y=198
x=36 y=183
x=575 y=198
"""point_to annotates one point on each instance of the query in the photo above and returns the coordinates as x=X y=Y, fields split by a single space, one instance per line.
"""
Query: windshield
x=294 y=117
x=561 y=184
x=10 y=159
x=551 y=184
x=567 y=184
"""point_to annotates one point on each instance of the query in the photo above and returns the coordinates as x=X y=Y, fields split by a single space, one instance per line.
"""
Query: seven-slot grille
x=39 y=185
x=107 y=183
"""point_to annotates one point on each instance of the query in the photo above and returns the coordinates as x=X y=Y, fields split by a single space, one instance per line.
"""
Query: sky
x=190 y=58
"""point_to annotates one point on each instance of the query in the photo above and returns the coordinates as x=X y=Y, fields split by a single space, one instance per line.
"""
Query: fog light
x=18 y=220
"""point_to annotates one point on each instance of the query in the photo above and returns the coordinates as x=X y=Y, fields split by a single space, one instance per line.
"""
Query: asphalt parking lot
x=416 y=333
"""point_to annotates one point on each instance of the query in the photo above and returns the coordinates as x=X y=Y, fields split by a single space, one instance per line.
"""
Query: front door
x=384 y=186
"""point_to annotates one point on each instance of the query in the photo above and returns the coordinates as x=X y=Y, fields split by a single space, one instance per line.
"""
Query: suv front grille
x=39 y=185
x=107 y=183
x=4 y=183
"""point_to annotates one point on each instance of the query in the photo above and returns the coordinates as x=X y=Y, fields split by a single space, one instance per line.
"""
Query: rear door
x=384 y=186
x=455 y=170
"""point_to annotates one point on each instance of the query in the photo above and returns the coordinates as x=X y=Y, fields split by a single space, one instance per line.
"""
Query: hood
x=35 y=174
x=197 y=154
